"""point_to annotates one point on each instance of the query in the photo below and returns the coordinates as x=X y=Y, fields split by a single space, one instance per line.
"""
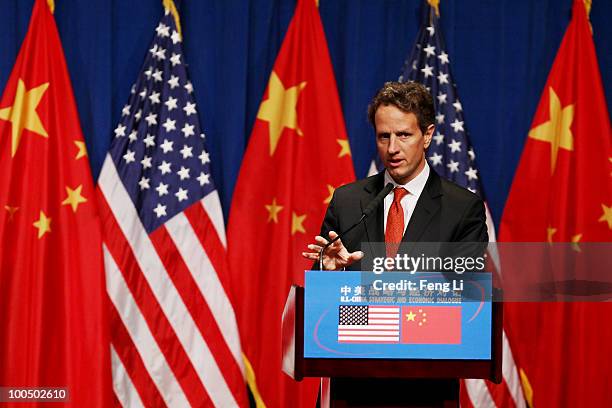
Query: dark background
x=500 y=51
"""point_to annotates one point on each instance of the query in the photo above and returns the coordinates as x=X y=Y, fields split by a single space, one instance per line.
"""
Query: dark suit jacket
x=444 y=212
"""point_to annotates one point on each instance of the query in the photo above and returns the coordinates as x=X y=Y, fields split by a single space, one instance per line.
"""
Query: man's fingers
x=355 y=256
x=314 y=247
x=310 y=255
x=320 y=240
x=337 y=244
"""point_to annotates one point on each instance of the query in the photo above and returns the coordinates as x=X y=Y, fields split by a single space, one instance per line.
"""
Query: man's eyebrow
x=404 y=132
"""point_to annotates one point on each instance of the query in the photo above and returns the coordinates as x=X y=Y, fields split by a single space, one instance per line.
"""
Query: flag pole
x=170 y=6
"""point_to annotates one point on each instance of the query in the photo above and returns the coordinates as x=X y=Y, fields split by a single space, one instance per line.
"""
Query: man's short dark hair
x=410 y=97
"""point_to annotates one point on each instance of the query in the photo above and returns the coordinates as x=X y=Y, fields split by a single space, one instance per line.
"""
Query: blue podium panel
x=395 y=315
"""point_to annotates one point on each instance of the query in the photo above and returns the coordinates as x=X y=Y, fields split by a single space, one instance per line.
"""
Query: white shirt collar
x=414 y=186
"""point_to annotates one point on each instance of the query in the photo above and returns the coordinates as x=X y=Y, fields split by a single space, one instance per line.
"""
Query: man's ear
x=429 y=134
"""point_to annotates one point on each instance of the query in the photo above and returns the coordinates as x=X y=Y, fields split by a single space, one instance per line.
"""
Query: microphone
x=365 y=214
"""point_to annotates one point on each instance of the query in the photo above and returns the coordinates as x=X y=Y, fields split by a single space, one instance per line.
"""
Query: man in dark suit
x=422 y=206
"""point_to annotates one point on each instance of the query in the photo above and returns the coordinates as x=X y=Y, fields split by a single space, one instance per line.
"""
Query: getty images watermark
x=412 y=264
x=521 y=271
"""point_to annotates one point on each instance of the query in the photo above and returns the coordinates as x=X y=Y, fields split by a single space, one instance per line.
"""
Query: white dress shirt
x=414 y=187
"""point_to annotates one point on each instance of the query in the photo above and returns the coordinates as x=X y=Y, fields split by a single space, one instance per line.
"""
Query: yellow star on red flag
x=43 y=224
x=330 y=192
x=280 y=109
x=74 y=197
x=550 y=231
x=557 y=130
x=273 y=210
x=22 y=114
x=607 y=215
x=345 y=148
x=82 y=152
x=575 y=241
x=11 y=211
x=297 y=223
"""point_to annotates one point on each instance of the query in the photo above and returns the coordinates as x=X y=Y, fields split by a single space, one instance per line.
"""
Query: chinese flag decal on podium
x=297 y=155
x=52 y=295
x=431 y=325
x=562 y=192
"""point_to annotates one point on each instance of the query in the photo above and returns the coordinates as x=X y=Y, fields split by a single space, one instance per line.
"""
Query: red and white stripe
x=484 y=394
x=508 y=394
x=174 y=336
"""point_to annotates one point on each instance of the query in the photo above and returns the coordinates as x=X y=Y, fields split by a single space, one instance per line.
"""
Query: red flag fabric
x=52 y=294
x=297 y=155
x=562 y=193
x=431 y=325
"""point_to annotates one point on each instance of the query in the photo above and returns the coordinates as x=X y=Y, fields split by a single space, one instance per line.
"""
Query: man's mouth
x=393 y=163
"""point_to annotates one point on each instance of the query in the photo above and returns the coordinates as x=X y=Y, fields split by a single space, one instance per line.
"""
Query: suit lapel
x=374 y=223
x=427 y=207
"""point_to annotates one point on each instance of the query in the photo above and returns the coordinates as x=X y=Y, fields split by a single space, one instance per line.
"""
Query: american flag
x=174 y=336
x=452 y=156
x=450 y=152
x=368 y=324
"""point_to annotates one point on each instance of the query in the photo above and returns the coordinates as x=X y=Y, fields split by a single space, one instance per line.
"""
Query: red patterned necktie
x=395 y=222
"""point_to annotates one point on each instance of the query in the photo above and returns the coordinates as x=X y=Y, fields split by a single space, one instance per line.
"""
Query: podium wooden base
x=393 y=392
x=385 y=383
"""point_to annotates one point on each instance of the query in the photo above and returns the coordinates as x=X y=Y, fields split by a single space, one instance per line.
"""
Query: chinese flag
x=431 y=324
x=52 y=296
x=297 y=155
x=562 y=192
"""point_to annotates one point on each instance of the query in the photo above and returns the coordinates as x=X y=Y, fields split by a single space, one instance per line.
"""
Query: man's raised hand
x=336 y=256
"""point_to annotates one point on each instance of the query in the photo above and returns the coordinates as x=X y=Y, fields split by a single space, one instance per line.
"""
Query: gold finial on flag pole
x=587 y=6
x=51 y=4
x=171 y=7
x=435 y=5
x=527 y=389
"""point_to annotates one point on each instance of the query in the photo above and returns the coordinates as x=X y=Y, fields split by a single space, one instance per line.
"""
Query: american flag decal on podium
x=368 y=324
x=174 y=336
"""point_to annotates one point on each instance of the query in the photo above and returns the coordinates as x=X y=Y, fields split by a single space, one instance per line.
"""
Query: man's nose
x=393 y=144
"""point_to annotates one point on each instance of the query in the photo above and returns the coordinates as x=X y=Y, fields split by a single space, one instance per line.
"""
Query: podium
x=386 y=382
